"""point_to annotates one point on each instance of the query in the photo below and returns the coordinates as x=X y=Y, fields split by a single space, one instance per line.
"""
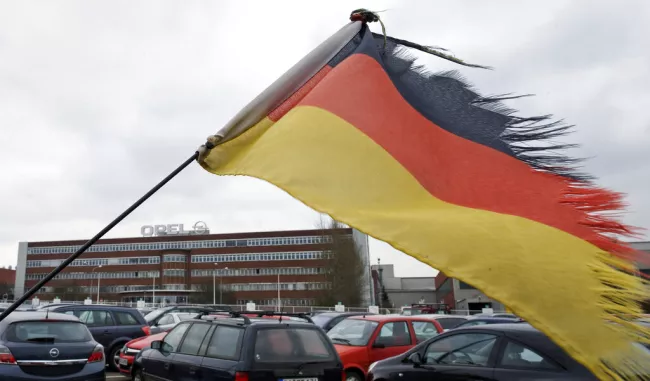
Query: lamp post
x=279 y=307
x=214 y=284
x=91 y=282
x=221 y=287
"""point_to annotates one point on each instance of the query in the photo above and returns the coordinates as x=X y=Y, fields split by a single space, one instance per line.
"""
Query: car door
x=187 y=360
x=127 y=325
x=223 y=351
x=393 y=338
x=464 y=356
x=99 y=323
x=157 y=364
x=518 y=362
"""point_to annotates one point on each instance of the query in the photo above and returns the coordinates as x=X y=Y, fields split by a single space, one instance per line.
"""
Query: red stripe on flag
x=296 y=97
x=451 y=168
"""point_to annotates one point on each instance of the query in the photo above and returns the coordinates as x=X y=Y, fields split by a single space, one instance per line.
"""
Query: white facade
x=19 y=287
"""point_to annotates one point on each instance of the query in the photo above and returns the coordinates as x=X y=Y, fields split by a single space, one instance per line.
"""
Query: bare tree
x=344 y=268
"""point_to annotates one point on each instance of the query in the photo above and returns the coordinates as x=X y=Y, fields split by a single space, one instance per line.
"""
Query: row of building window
x=274 y=302
x=259 y=271
x=175 y=258
x=256 y=257
x=182 y=272
x=179 y=258
x=174 y=272
x=296 y=286
x=95 y=275
x=299 y=286
x=97 y=262
x=184 y=245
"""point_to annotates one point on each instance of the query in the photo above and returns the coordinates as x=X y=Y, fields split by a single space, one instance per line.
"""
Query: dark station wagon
x=240 y=349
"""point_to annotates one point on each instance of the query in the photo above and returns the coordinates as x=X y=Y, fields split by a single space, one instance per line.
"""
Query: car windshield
x=294 y=345
x=355 y=332
x=48 y=331
x=322 y=319
x=153 y=315
x=183 y=317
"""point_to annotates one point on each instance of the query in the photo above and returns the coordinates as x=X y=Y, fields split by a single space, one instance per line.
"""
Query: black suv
x=111 y=326
x=240 y=348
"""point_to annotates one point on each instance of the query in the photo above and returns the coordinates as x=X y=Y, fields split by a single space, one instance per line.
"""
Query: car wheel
x=137 y=376
x=113 y=359
x=351 y=375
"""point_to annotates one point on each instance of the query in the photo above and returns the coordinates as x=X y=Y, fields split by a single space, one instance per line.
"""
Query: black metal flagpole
x=99 y=235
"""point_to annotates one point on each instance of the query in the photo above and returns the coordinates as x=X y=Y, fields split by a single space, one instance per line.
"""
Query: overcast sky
x=101 y=99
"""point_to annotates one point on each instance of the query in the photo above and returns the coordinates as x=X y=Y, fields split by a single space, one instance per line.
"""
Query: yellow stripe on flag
x=548 y=277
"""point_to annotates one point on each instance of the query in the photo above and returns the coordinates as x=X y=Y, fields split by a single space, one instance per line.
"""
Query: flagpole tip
x=363 y=15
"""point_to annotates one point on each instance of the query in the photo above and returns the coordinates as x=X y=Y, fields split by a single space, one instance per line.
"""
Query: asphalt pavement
x=112 y=376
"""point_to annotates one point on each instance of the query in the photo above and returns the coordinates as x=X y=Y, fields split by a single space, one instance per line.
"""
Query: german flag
x=454 y=179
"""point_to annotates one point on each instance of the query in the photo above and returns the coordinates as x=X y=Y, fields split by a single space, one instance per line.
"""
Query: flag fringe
x=531 y=140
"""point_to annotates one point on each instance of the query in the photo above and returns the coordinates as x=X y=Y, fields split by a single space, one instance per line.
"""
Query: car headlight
x=372 y=366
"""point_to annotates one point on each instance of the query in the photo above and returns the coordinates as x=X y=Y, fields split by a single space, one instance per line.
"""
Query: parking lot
x=115 y=376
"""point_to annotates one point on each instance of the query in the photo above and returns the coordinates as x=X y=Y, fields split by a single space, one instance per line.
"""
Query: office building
x=174 y=265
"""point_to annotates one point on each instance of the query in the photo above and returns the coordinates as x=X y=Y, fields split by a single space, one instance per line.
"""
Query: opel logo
x=54 y=352
x=200 y=227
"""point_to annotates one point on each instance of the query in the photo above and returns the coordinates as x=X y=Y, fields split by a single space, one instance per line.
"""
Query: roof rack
x=232 y=314
x=301 y=315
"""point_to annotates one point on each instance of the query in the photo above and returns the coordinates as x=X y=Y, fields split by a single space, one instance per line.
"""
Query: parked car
x=472 y=321
x=498 y=352
x=154 y=316
x=169 y=321
x=327 y=320
x=132 y=348
x=111 y=326
x=360 y=341
x=447 y=321
x=240 y=349
x=144 y=311
x=48 y=345
x=498 y=315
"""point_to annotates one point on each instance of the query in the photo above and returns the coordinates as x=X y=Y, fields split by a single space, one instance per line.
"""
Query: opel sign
x=198 y=228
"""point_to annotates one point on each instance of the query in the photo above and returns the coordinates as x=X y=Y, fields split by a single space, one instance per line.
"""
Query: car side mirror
x=378 y=345
x=415 y=359
x=156 y=344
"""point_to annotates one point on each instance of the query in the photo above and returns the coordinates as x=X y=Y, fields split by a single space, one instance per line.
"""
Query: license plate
x=300 y=379
x=124 y=362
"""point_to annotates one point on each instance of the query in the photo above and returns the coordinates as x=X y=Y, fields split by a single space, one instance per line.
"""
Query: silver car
x=170 y=320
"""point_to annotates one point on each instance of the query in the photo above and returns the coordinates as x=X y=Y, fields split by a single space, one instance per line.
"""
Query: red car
x=133 y=347
x=362 y=340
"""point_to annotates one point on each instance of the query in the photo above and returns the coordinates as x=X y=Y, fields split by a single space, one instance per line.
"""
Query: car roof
x=492 y=318
x=380 y=318
x=18 y=316
x=442 y=316
x=98 y=306
x=334 y=314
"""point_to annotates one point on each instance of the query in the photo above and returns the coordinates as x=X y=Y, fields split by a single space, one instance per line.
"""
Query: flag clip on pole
x=99 y=235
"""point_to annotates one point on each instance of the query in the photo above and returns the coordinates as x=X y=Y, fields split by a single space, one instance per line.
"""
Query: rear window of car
x=48 y=331
x=293 y=344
